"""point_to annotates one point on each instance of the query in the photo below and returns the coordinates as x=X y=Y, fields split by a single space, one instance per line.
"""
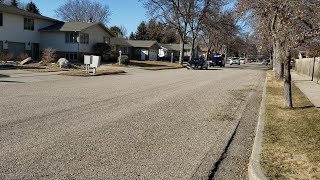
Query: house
x=167 y=49
x=19 y=31
x=120 y=44
x=73 y=39
x=144 y=50
x=25 y=32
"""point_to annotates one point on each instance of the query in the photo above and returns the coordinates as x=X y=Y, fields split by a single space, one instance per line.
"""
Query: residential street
x=171 y=124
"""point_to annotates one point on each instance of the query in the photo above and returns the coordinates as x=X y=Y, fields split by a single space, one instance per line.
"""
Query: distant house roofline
x=73 y=27
x=143 y=43
x=13 y=10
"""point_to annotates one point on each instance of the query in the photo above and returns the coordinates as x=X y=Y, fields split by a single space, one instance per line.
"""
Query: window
x=1 y=19
x=71 y=37
x=29 y=24
x=84 y=38
x=113 y=48
x=124 y=49
x=71 y=56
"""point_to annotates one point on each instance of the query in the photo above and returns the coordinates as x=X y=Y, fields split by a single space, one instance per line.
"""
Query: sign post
x=172 y=57
x=120 y=57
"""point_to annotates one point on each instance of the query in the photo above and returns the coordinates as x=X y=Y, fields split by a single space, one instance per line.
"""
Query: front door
x=35 y=51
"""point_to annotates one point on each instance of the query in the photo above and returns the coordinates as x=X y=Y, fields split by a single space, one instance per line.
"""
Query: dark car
x=197 y=63
x=216 y=61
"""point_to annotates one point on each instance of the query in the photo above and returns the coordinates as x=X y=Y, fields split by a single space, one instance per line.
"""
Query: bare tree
x=199 y=12
x=83 y=11
x=172 y=12
x=291 y=24
x=220 y=29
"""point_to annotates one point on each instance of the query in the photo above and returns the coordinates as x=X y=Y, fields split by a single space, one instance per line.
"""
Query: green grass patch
x=291 y=139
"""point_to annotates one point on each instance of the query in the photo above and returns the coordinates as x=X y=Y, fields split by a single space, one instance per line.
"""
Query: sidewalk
x=309 y=88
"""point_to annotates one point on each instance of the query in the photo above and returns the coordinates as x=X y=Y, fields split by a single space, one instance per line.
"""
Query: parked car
x=197 y=63
x=235 y=60
x=217 y=60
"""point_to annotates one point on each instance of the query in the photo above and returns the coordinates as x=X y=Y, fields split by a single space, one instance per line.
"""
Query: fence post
x=314 y=63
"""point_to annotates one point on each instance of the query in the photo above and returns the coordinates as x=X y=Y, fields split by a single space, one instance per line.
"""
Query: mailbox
x=92 y=62
x=95 y=61
x=87 y=60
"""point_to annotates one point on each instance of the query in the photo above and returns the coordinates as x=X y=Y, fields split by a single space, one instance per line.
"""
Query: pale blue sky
x=128 y=13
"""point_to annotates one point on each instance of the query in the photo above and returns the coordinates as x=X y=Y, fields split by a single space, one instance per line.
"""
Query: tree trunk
x=280 y=54
x=274 y=57
x=287 y=82
x=206 y=57
x=181 y=52
x=192 y=49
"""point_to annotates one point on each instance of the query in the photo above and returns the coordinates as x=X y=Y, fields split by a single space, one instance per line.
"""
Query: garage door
x=153 y=55
x=16 y=48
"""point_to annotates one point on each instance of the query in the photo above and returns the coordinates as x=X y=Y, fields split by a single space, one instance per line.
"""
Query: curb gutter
x=254 y=169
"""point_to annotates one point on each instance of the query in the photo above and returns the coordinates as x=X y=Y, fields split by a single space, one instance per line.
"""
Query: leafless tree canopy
x=83 y=11
x=287 y=24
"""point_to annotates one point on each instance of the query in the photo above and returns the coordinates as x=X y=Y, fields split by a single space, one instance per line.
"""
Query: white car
x=242 y=61
x=235 y=61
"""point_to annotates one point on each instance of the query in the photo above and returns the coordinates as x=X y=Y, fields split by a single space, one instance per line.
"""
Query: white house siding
x=56 y=40
x=96 y=35
x=13 y=30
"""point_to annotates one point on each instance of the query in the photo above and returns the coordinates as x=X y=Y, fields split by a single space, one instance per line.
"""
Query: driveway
x=171 y=124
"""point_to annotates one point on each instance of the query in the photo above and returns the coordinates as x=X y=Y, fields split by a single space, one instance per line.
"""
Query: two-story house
x=73 y=39
x=19 y=31
x=25 y=32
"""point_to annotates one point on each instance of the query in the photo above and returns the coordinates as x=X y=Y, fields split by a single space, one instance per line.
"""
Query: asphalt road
x=171 y=124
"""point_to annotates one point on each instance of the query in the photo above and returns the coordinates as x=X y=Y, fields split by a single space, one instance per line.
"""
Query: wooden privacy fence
x=309 y=67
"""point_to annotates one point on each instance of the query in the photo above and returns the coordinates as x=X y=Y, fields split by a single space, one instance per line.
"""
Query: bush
x=6 y=57
x=124 y=60
x=48 y=55
x=103 y=49
x=23 y=56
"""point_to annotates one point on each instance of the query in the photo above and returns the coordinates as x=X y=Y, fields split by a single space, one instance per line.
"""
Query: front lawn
x=291 y=140
x=152 y=65
x=83 y=73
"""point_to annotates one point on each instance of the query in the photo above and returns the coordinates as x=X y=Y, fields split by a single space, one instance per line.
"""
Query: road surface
x=171 y=124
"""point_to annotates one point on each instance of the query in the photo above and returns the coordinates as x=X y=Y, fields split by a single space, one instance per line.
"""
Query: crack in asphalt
x=223 y=155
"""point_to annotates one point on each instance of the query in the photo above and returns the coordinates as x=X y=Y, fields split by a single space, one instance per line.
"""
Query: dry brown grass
x=83 y=73
x=152 y=65
x=291 y=141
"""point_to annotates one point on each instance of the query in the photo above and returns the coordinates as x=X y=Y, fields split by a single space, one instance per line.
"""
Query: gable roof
x=120 y=42
x=72 y=26
x=175 y=47
x=142 y=43
x=17 y=11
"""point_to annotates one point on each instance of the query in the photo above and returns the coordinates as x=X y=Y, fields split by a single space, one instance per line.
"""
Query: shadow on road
x=212 y=69
x=249 y=67
x=4 y=76
x=10 y=81
x=14 y=67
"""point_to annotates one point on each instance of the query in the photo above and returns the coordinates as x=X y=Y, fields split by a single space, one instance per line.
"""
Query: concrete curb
x=254 y=169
